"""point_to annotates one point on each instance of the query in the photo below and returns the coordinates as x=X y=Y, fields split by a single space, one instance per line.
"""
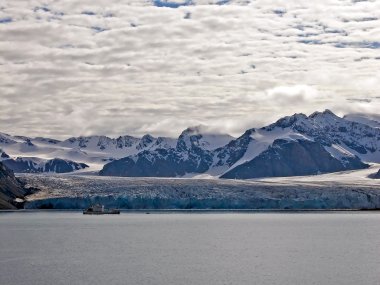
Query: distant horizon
x=206 y=129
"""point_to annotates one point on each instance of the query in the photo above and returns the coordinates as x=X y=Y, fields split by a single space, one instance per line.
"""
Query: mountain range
x=294 y=145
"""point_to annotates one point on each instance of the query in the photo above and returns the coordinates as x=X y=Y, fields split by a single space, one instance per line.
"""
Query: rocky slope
x=338 y=144
x=294 y=145
x=293 y=158
x=193 y=153
x=377 y=175
x=373 y=121
x=10 y=188
x=93 y=151
x=35 y=165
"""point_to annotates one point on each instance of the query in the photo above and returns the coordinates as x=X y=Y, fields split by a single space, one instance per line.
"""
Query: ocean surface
x=190 y=248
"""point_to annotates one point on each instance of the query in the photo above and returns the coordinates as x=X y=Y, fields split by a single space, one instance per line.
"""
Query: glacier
x=341 y=190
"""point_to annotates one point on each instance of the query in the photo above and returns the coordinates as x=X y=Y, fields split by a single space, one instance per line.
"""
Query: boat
x=99 y=210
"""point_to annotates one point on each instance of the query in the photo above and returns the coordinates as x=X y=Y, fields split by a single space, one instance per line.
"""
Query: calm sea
x=182 y=248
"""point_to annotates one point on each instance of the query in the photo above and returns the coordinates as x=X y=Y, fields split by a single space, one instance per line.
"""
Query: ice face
x=344 y=190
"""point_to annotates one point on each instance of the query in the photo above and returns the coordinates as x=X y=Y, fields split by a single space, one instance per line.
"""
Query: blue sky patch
x=222 y=2
x=44 y=9
x=5 y=20
x=89 y=13
x=371 y=45
x=168 y=4
x=98 y=29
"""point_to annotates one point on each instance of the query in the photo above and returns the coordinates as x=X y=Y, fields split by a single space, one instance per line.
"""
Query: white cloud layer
x=131 y=67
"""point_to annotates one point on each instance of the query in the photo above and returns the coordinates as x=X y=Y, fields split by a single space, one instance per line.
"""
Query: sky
x=110 y=67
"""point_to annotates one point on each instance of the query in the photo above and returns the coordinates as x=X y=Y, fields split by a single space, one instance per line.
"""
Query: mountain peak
x=145 y=141
x=147 y=137
x=326 y=112
x=195 y=130
x=287 y=121
x=202 y=136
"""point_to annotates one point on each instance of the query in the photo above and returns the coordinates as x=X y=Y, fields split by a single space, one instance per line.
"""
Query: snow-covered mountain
x=199 y=136
x=294 y=145
x=192 y=153
x=24 y=154
x=36 y=165
x=364 y=119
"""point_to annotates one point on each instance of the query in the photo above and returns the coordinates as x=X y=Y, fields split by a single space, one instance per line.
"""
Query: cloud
x=289 y=95
x=76 y=68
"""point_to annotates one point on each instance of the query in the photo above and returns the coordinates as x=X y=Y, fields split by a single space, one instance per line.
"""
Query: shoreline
x=203 y=211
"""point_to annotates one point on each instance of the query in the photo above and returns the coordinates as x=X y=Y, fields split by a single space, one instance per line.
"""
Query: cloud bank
x=130 y=67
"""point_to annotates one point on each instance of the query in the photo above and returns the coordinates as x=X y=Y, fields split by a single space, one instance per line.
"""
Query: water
x=181 y=248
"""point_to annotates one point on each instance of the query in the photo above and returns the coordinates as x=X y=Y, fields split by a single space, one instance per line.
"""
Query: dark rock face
x=377 y=175
x=144 y=165
x=327 y=128
x=63 y=166
x=292 y=158
x=28 y=142
x=3 y=155
x=126 y=141
x=234 y=150
x=160 y=163
x=283 y=158
x=280 y=154
x=5 y=139
x=186 y=157
x=23 y=165
x=10 y=188
x=48 y=140
x=190 y=138
x=145 y=141
x=19 y=165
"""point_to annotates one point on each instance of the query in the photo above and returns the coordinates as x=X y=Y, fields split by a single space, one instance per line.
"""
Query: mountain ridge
x=342 y=143
x=197 y=150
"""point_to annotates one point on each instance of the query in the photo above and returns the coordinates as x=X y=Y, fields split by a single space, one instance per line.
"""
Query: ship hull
x=112 y=212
